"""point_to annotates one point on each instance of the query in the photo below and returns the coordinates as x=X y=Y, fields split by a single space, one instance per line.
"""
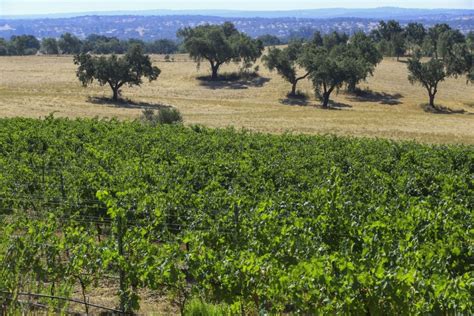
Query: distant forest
x=151 y=28
x=391 y=39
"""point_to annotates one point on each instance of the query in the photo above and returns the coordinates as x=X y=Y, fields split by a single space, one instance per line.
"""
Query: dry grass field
x=36 y=86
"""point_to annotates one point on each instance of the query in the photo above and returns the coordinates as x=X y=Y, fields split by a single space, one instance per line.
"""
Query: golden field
x=35 y=86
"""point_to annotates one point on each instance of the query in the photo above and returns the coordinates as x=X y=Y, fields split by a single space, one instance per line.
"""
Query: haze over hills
x=155 y=24
x=376 y=13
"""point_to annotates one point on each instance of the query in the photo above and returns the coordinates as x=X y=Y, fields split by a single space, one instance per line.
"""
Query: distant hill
x=150 y=25
x=374 y=13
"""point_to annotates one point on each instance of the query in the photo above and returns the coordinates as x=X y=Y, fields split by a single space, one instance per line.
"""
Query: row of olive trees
x=330 y=61
x=218 y=44
x=336 y=60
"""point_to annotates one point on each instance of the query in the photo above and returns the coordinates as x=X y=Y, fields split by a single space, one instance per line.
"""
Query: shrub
x=162 y=116
x=199 y=308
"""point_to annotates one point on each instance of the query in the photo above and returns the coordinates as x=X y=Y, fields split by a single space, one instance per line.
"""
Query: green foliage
x=286 y=62
x=24 y=45
x=428 y=74
x=199 y=308
x=49 y=46
x=337 y=62
x=3 y=47
x=391 y=38
x=363 y=48
x=163 y=116
x=269 y=40
x=219 y=44
x=415 y=34
x=262 y=223
x=116 y=71
x=458 y=61
x=69 y=44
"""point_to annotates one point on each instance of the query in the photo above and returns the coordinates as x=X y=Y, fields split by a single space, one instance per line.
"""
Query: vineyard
x=252 y=223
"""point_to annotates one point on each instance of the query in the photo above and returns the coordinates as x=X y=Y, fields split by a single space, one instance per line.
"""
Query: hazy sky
x=17 y=7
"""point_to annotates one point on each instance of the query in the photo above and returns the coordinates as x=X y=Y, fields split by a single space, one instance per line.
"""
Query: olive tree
x=69 y=44
x=391 y=38
x=362 y=48
x=116 y=71
x=3 y=47
x=335 y=60
x=219 y=44
x=25 y=44
x=49 y=46
x=415 y=34
x=433 y=36
x=331 y=68
x=429 y=74
x=286 y=62
x=447 y=41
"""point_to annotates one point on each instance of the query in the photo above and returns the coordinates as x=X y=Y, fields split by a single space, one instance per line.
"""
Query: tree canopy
x=286 y=62
x=49 y=46
x=25 y=44
x=69 y=44
x=429 y=74
x=219 y=44
x=390 y=36
x=330 y=67
x=362 y=48
x=116 y=71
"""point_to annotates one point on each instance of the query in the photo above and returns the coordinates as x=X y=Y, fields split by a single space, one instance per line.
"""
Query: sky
x=27 y=7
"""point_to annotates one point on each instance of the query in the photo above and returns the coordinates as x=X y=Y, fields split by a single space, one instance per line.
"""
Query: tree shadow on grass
x=294 y=102
x=368 y=95
x=233 y=81
x=333 y=105
x=439 y=109
x=126 y=103
x=299 y=99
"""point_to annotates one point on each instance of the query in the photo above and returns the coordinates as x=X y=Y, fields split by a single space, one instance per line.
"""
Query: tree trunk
x=293 y=89
x=215 y=69
x=351 y=87
x=326 y=99
x=115 y=95
x=432 y=97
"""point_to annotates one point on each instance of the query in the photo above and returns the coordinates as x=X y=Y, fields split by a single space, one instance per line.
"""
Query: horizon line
x=130 y=12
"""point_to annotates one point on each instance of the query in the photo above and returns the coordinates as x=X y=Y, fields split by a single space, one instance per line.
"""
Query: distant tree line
x=391 y=38
x=71 y=44
x=437 y=41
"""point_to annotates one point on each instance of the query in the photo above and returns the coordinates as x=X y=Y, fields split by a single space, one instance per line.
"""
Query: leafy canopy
x=116 y=71
x=338 y=62
x=286 y=62
x=219 y=44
